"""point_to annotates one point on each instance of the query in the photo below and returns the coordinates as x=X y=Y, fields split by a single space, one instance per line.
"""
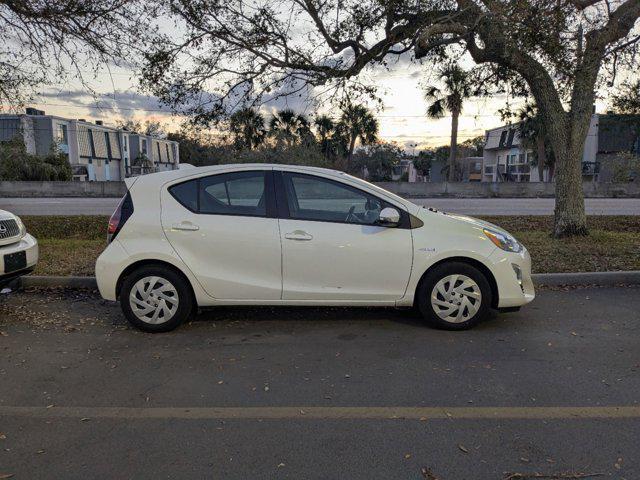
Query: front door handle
x=298 y=235
x=187 y=226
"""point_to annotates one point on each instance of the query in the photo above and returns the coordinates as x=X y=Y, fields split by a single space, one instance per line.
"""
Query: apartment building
x=96 y=152
x=610 y=141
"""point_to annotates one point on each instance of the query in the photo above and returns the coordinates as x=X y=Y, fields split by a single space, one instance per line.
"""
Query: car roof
x=162 y=178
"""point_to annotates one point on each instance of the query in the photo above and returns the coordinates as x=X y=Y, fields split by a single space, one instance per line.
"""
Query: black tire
x=186 y=302
x=428 y=283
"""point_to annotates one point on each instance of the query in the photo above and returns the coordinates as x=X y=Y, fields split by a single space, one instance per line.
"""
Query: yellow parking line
x=324 y=413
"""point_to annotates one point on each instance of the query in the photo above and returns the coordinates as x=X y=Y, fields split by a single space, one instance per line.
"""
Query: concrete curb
x=66 y=282
x=587 y=278
x=549 y=279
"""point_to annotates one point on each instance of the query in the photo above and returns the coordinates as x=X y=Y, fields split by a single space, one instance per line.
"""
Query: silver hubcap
x=456 y=298
x=154 y=300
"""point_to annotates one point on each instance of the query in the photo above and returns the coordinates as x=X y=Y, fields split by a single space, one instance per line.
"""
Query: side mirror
x=389 y=217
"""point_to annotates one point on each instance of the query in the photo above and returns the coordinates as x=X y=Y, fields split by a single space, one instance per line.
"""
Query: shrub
x=18 y=165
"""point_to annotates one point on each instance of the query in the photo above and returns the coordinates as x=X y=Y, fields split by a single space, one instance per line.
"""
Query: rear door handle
x=187 y=226
x=298 y=235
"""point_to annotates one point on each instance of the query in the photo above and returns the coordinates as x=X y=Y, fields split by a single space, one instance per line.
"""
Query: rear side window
x=187 y=194
x=238 y=193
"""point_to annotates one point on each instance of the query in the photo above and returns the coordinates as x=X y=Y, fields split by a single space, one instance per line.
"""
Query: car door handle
x=298 y=235
x=187 y=226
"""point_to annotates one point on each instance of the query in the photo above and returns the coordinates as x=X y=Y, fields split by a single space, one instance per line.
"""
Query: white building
x=96 y=151
x=505 y=160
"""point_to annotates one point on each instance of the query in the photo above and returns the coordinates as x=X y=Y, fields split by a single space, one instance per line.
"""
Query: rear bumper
x=109 y=266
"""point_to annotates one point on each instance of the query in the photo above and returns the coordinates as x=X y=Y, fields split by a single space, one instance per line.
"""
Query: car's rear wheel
x=454 y=296
x=154 y=298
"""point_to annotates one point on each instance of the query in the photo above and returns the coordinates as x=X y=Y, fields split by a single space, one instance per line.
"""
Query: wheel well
x=474 y=263
x=145 y=263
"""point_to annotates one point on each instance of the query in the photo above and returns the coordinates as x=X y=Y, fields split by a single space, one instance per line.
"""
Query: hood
x=463 y=219
x=477 y=222
x=4 y=215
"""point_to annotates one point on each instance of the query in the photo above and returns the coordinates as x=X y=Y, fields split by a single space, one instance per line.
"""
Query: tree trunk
x=352 y=147
x=542 y=157
x=453 y=149
x=570 y=218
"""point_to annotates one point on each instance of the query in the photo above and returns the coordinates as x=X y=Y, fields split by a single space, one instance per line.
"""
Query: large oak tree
x=45 y=42
x=238 y=52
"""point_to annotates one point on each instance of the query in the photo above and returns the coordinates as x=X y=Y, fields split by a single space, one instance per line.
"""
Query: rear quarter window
x=186 y=194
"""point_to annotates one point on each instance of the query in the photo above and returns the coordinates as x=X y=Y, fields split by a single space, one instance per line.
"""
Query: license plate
x=15 y=261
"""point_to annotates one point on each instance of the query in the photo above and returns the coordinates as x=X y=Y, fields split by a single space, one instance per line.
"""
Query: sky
x=402 y=115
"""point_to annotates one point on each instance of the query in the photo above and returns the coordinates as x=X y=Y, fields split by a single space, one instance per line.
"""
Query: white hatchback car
x=18 y=249
x=288 y=235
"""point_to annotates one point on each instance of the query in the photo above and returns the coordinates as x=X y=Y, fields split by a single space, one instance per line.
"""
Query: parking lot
x=252 y=393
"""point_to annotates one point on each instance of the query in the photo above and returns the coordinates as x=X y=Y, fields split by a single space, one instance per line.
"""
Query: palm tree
x=247 y=128
x=533 y=133
x=356 y=122
x=325 y=127
x=457 y=88
x=289 y=127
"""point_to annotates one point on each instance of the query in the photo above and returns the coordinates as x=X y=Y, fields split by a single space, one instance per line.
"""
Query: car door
x=332 y=249
x=224 y=228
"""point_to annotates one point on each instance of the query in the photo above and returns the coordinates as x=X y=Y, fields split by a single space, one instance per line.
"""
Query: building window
x=144 y=146
x=62 y=135
x=108 y=144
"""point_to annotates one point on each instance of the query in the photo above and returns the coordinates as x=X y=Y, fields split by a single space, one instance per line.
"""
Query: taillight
x=120 y=216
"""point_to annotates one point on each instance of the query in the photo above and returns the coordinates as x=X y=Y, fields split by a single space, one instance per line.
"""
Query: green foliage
x=475 y=146
x=288 y=128
x=247 y=129
x=378 y=160
x=625 y=168
x=628 y=99
x=422 y=163
x=17 y=164
x=458 y=87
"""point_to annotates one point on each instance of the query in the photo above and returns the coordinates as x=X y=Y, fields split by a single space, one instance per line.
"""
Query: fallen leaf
x=423 y=419
x=407 y=455
x=463 y=448
x=6 y=475
x=428 y=474
x=280 y=465
x=85 y=419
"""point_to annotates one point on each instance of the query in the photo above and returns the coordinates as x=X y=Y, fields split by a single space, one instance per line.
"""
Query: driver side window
x=320 y=199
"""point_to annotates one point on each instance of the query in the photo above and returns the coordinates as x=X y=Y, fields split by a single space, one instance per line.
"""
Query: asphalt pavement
x=466 y=206
x=311 y=393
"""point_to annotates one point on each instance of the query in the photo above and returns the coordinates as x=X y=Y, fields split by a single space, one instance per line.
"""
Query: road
x=467 y=206
x=294 y=393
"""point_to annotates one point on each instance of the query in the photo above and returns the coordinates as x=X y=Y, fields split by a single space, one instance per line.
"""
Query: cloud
x=121 y=102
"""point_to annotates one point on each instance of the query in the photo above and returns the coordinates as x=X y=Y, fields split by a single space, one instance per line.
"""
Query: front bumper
x=514 y=290
x=27 y=244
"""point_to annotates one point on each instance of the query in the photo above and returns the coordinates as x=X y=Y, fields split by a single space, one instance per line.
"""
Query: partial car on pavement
x=290 y=235
x=18 y=249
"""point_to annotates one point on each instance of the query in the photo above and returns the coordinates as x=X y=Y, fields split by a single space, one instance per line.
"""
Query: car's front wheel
x=154 y=298
x=454 y=296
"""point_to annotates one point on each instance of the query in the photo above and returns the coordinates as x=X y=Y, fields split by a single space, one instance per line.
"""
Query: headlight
x=23 y=229
x=505 y=242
